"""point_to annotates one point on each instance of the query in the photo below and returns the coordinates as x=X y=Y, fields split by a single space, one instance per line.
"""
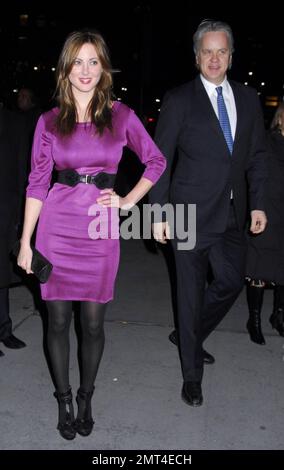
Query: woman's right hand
x=24 y=259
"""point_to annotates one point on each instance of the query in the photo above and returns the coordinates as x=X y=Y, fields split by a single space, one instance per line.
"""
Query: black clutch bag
x=41 y=267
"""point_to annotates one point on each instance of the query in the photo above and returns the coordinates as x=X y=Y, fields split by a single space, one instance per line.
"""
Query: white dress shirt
x=228 y=98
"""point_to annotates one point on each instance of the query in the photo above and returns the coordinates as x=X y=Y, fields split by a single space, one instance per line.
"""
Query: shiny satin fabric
x=85 y=264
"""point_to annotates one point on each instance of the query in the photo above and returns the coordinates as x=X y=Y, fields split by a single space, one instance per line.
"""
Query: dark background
x=150 y=43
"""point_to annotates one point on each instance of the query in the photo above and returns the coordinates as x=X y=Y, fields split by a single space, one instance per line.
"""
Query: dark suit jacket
x=205 y=171
x=13 y=175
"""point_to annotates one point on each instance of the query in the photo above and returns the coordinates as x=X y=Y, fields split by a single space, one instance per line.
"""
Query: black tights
x=92 y=323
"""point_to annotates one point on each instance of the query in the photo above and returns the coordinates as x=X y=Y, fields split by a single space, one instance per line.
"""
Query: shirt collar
x=211 y=87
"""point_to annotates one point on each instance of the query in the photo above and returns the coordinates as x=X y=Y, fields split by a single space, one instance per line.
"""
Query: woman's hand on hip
x=109 y=198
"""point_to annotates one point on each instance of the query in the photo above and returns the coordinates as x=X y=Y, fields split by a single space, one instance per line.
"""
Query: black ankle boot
x=277 y=321
x=84 y=422
x=255 y=299
x=277 y=317
x=66 y=415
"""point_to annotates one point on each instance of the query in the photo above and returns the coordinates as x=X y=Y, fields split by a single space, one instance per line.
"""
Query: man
x=216 y=127
x=13 y=154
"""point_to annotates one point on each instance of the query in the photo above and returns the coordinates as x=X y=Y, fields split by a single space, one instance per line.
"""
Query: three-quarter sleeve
x=145 y=148
x=41 y=162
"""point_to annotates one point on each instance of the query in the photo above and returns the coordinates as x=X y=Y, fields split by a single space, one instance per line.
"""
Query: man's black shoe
x=173 y=337
x=1 y=353
x=13 y=343
x=192 y=393
x=207 y=358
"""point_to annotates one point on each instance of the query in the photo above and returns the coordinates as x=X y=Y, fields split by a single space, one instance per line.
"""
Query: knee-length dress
x=84 y=264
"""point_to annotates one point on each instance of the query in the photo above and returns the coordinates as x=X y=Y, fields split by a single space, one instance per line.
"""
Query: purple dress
x=84 y=266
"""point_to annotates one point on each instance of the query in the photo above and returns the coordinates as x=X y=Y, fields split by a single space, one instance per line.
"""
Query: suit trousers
x=202 y=306
x=5 y=320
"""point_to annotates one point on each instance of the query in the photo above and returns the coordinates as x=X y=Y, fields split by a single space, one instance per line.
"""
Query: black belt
x=72 y=178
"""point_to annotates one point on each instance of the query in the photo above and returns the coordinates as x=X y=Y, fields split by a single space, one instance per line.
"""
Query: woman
x=266 y=251
x=83 y=139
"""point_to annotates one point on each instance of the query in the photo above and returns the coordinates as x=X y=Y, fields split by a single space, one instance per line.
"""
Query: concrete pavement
x=137 y=402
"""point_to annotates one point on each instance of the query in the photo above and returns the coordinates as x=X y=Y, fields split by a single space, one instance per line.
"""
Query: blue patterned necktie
x=224 y=118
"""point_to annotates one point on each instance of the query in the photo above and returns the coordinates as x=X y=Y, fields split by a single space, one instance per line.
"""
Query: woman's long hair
x=276 y=124
x=99 y=108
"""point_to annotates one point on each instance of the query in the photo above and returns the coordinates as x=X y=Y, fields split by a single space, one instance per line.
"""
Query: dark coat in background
x=14 y=152
x=266 y=251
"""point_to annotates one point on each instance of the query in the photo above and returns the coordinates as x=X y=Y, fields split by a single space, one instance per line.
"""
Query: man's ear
x=197 y=61
x=230 y=62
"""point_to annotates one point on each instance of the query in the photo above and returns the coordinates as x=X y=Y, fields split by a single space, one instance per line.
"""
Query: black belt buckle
x=86 y=179
x=70 y=177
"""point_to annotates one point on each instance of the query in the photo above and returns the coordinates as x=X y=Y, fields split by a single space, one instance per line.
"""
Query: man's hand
x=161 y=232
x=258 y=221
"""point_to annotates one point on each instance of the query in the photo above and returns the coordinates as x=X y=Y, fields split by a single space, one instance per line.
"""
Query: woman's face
x=86 y=71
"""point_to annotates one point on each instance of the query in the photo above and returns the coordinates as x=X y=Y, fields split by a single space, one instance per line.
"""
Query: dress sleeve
x=41 y=163
x=145 y=148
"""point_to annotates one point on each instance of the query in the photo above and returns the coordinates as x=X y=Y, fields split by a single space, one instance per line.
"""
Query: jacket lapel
x=207 y=110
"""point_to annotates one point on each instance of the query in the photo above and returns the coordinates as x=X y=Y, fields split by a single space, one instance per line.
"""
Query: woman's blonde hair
x=279 y=114
x=99 y=108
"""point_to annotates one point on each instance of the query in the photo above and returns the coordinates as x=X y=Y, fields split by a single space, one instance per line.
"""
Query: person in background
x=84 y=138
x=13 y=155
x=216 y=126
x=26 y=99
x=28 y=106
x=265 y=263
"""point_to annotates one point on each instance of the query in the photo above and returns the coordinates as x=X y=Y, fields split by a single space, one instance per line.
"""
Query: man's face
x=214 y=56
